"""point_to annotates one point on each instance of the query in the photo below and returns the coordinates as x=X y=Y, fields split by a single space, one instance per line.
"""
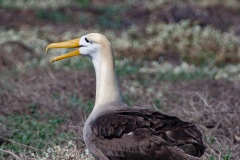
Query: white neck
x=107 y=89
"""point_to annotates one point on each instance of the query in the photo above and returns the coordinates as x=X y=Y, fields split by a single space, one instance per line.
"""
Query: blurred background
x=180 y=57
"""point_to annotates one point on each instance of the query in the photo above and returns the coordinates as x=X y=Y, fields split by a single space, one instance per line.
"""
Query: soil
x=9 y=59
x=220 y=17
x=217 y=16
x=50 y=91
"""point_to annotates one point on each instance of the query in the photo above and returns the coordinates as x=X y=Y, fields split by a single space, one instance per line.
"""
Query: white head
x=90 y=45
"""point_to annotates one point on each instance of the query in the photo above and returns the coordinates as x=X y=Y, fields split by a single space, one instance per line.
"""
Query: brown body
x=142 y=134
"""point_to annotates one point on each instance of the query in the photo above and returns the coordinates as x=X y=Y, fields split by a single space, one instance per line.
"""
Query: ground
x=178 y=57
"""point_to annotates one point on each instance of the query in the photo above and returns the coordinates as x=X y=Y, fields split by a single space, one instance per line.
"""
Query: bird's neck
x=107 y=89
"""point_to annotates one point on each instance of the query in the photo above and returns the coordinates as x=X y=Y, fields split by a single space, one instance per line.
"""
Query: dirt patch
x=75 y=17
x=14 y=53
x=49 y=91
x=16 y=18
x=151 y=53
x=19 y=19
x=62 y=19
x=218 y=16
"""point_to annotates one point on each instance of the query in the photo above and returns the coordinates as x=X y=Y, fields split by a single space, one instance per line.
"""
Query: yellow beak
x=68 y=44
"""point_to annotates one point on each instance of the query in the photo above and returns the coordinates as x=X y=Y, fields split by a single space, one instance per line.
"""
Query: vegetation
x=184 y=68
x=200 y=46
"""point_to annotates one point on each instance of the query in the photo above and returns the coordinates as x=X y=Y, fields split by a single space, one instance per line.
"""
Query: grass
x=87 y=106
x=32 y=4
x=30 y=130
x=200 y=46
x=146 y=74
x=148 y=71
x=55 y=16
x=107 y=19
x=226 y=156
x=85 y=3
x=43 y=106
x=127 y=67
x=33 y=133
x=196 y=45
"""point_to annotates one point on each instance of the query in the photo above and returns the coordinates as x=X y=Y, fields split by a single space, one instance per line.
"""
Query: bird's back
x=132 y=133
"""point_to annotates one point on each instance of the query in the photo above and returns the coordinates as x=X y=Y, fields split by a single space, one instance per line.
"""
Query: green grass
x=194 y=44
x=84 y=3
x=87 y=106
x=172 y=77
x=226 y=154
x=224 y=157
x=210 y=139
x=186 y=72
x=109 y=17
x=80 y=63
x=34 y=132
x=32 y=4
x=35 y=129
x=127 y=67
x=209 y=49
x=128 y=99
x=54 y=16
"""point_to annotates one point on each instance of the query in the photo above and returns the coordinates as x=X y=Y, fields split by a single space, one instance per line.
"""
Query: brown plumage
x=134 y=133
x=117 y=132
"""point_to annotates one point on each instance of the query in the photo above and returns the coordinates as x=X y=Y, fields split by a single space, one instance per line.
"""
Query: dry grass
x=194 y=44
x=190 y=42
x=154 y=4
x=49 y=91
x=52 y=89
x=210 y=99
x=32 y=4
x=212 y=104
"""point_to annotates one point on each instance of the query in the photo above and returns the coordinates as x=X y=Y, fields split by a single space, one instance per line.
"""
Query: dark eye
x=86 y=40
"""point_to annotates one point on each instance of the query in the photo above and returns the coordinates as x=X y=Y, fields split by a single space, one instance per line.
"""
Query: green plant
x=33 y=130
x=84 y=3
x=200 y=46
x=227 y=156
x=32 y=4
x=89 y=106
x=211 y=158
x=210 y=139
x=128 y=99
x=77 y=102
x=127 y=67
x=108 y=18
x=55 y=16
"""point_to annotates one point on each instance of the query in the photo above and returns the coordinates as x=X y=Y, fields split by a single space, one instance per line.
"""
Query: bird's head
x=88 y=45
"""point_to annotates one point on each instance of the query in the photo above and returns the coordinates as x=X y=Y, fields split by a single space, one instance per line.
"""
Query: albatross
x=115 y=131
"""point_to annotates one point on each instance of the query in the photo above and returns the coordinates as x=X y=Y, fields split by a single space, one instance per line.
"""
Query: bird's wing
x=130 y=132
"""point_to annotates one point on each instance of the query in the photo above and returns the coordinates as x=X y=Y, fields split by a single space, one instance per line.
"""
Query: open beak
x=68 y=44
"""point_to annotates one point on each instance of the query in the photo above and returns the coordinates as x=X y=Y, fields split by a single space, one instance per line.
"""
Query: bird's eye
x=86 y=40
